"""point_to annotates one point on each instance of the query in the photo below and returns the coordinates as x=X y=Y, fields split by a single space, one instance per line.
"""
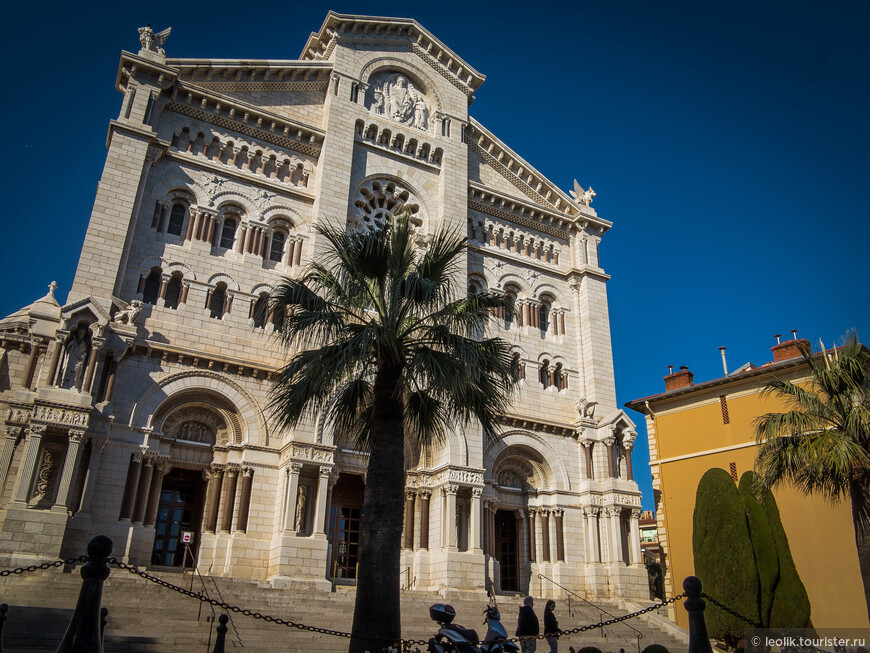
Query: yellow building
x=695 y=427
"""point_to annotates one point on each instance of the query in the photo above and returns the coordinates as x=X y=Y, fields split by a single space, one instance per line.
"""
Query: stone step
x=147 y=618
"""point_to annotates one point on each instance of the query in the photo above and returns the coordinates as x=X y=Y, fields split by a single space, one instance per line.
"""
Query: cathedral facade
x=138 y=408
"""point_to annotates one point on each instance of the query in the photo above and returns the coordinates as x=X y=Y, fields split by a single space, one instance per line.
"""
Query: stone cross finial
x=52 y=287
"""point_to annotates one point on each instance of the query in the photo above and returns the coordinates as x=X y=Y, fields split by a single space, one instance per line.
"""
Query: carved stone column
x=228 y=489
x=112 y=362
x=560 y=534
x=25 y=475
x=292 y=492
x=629 y=472
x=590 y=464
x=634 y=552
x=94 y=462
x=533 y=525
x=70 y=465
x=9 y=442
x=142 y=491
x=214 y=498
x=408 y=532
x=154 y=491
x=592 y=537
x=545 y=536
x=450 y=516
x=322 y=489
x=245 y=499
x=424 y=518
x=613 y=514
x=474 y=522
x=30 y=368
x=55 y=360
x=96 y=346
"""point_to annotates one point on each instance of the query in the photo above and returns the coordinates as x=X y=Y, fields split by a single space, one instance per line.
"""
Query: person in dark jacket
x=551 y=626
x=528 y=625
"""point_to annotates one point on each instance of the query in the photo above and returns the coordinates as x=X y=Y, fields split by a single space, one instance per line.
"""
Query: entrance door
x=178 y=511
x=506 y=549
x=343 y=532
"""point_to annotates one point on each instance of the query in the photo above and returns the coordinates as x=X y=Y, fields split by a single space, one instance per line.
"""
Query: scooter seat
x=468 y=633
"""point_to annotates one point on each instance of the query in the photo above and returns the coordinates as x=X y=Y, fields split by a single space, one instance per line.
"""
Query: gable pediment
x=348 y=29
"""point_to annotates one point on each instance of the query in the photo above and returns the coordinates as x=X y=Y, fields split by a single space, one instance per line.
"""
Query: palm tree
x=822 y=444
x=385 y=351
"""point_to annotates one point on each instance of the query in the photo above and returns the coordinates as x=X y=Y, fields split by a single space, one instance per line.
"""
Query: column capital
x=325 y=471
x=294 y=468
x=37 y=430
x=609 y=441
x=476 y=492
x=635 y=513
x=424 y=493
x=13 y=431
x=613 y=511
x=248 y=471
x=76 y=435
x=591 y=511
x=410 y=493
x=450 y=488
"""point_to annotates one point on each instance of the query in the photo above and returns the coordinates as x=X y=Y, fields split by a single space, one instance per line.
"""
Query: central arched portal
x=179 y=511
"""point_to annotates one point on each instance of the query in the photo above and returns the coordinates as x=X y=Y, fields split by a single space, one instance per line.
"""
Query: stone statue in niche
x=76 y=351
x=399 y=99
x=301 y=500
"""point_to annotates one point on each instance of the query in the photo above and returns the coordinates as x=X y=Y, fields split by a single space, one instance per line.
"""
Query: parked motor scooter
x=453 y=638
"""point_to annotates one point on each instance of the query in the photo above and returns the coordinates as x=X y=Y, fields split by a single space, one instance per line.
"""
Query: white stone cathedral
x=137 y=409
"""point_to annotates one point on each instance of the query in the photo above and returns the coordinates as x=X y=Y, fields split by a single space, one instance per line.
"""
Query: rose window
x=378 y=202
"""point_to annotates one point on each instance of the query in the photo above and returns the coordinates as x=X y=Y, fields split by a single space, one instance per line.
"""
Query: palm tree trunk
x=376 y=615
x=858 y=497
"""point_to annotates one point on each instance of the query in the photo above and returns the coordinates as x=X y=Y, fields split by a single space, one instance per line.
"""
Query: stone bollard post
x=3 y=609
x=83 y=633
x=221 y=634
x=699 y=642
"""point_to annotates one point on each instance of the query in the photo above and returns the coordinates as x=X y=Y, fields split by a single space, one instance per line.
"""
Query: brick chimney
x=790 y=349
x=682 y=379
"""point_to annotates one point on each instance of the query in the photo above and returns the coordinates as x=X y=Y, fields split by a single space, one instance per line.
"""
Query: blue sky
x=727 y=141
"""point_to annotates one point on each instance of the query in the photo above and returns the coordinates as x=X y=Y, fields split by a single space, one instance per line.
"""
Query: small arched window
x=176 y=219
x=261 y=310
x=218 y=300
x=545 y=373
x=228 y=233
x=172 y=295
x=544 y=315
x=151 y=289
x=276 y=250
x=510 y=309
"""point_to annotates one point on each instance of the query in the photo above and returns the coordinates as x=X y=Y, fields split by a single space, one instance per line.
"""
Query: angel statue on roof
x=151 y=41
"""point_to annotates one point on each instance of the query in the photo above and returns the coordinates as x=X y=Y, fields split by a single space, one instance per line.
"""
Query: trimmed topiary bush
x=655 y=648
x=724 y=560
x=791 y=605
x=763 y=547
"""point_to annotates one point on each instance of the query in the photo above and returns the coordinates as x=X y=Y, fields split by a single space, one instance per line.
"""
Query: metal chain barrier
x=221 y=604
x=733 y=613
x=45 y=565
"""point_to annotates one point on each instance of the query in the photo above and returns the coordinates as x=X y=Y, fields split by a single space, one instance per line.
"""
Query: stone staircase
x=146 y=618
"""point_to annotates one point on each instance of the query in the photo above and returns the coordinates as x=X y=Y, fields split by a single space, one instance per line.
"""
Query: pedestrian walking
x=528 y=625
x=551 y=626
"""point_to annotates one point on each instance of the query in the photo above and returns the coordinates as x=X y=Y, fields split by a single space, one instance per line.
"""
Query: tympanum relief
x=397 y=98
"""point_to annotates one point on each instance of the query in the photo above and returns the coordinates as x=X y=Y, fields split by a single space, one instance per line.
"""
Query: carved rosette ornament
x=378 y=202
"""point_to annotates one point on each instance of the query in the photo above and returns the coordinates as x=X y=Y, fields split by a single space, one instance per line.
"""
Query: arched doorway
x=343 y=527
x=179 y=511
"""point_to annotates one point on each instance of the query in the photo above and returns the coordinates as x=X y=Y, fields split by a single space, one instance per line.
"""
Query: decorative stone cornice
x=537 y=424
x=230 y=113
